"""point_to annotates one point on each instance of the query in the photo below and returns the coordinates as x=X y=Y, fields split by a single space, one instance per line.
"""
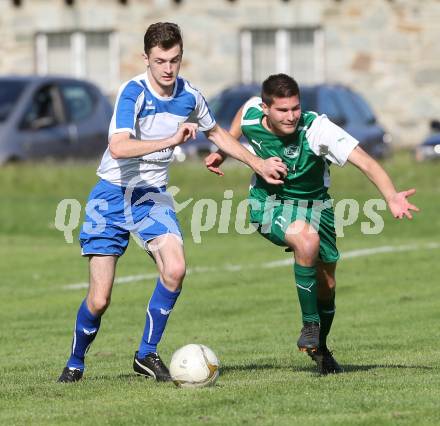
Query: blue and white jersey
x=146 y=115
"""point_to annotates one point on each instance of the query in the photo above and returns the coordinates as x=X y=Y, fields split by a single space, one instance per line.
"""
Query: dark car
x=348 y=109
x=224 y=106
x=342 y=105
x=429 y=149
x=51 y=117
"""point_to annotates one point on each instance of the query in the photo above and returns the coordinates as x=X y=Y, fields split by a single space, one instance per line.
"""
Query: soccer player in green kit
x=298 y=214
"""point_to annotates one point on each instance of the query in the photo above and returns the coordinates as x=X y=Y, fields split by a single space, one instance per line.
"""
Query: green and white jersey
x=307 y=153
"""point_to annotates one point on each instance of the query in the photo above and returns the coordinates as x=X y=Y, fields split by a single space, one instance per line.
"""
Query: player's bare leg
x=168 y=253
x=101 y=277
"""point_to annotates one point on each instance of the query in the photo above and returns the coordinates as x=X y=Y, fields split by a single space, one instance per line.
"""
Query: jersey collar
x=156 y=95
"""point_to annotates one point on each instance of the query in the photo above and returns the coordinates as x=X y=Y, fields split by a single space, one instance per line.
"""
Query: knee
x=98 y=304
x=173 y=275
x=310 y=245
x=305 y=247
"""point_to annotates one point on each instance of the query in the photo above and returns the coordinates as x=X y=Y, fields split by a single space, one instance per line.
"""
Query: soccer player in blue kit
x=154 y=112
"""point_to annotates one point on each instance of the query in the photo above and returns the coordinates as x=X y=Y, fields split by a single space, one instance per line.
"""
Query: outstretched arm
x=397 y=201
x=214 y=160
x=272 y=170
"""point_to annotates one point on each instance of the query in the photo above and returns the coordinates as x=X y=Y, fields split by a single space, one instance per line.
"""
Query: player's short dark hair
x=163 y=34
x=278 y=86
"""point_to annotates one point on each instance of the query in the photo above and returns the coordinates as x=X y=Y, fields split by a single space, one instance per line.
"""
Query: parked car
x=429 y=149
x=54 y=117
x=342 y=105
x=224 y=106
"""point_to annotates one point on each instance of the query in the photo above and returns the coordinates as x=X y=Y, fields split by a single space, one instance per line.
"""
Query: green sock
x=305 y=277
x=326 y=309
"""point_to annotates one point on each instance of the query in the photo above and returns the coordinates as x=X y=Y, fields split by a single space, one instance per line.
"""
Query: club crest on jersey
x=291 y=151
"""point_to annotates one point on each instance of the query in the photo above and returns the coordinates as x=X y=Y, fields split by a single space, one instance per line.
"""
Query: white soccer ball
x=194 y=366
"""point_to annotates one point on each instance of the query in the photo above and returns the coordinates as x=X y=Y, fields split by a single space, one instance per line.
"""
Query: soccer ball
x=194 y=366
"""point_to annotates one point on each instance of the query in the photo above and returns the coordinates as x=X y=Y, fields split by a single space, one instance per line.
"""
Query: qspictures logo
x=223 y=216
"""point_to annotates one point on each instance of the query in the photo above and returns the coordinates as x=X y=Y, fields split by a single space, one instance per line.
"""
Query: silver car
x=51 y=117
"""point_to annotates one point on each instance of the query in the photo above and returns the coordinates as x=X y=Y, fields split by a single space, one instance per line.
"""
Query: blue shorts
x=113 y=212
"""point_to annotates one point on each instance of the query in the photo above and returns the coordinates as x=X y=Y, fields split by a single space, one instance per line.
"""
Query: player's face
x=283 y=115
x=163 y=68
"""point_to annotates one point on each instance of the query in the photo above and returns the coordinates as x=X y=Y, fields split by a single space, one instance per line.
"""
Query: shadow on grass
x=348 y=368
x=225 y=369
x=228 y=369
x=123 y=376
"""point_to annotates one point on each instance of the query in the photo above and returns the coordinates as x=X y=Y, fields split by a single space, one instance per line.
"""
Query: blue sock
x=86 y=328
x=160 y=306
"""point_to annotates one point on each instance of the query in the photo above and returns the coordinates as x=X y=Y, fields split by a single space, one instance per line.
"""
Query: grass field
x=385 y=334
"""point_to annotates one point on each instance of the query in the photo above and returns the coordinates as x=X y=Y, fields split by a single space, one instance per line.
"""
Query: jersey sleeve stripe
x=126 y=105
x=144 y=84
x=250 y=122
x=202 y=113
x=251 y=112
x=252 y=103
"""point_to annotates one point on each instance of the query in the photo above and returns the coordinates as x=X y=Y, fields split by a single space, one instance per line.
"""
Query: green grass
x=385 y=334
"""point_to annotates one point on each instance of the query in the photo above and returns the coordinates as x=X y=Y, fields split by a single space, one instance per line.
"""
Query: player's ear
x=265 y=108
x=145 y=56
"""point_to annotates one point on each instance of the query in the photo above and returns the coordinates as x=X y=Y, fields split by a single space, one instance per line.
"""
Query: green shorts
x=273 y=217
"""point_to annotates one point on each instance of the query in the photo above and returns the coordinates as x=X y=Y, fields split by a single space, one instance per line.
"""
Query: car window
x=10 y=91
x=43 y=111
x=78 y=101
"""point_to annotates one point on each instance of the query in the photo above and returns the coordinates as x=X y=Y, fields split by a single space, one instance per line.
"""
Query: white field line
x=267 y=265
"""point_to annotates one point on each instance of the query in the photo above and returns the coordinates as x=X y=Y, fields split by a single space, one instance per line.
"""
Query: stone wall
x=386 y=49
x=389 y=51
